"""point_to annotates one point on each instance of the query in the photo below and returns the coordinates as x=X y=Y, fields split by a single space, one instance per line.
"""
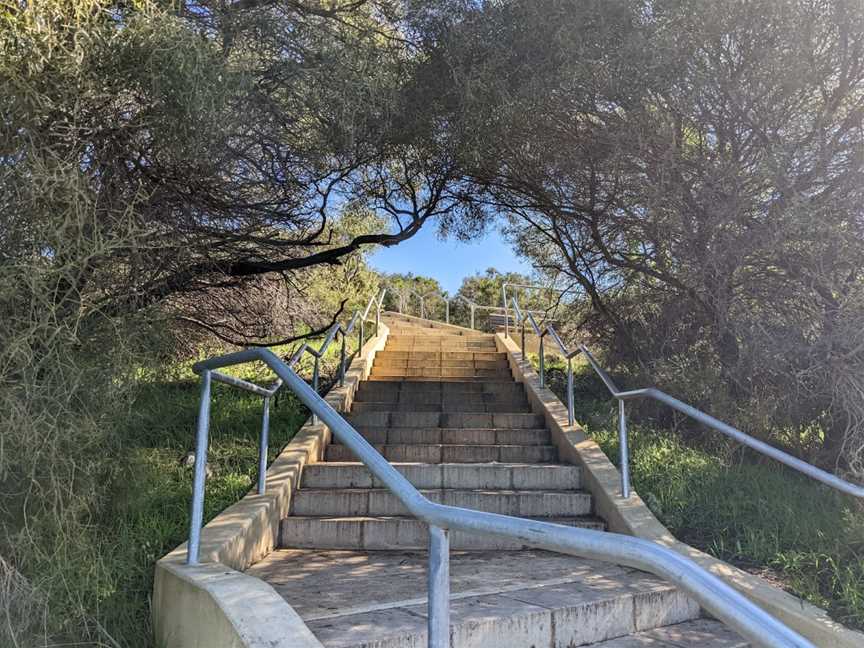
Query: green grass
x=149 y=515
x=753 y=513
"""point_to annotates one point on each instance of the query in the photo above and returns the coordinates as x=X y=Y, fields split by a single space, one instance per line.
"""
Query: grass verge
x=149 y=515
x=751 y=512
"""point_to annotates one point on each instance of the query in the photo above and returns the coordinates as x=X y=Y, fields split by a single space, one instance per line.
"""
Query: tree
x=405 y=292
x=211 y=146
x=697 y=170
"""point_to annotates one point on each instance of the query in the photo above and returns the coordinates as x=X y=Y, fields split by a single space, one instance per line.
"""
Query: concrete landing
x=525 y=598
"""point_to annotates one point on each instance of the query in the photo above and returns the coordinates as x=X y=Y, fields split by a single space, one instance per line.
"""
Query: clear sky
x=449 y=260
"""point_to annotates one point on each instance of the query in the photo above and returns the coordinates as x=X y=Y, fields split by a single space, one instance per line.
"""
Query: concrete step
x=358 y=502
x=498 y=600
x=441 y=372
x=458 y=363
x=463 y=476
x=439 y=453
x=517 y=398
x=443 y=350
x=446 y=388
x=383 y=533
x=402 y=331
x=447 y=419
x=704 y=633
x=453 y=406
x=465 y=379
x=433 y=338
x=438 y=356
x=453 y=436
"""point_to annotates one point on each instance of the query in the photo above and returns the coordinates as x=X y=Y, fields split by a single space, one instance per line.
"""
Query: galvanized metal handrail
x=268 y=393
x=653 y=393
x=710 y=592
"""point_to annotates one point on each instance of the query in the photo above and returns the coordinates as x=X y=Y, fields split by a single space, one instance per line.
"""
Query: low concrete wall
x=215 y=605
x=634 y=518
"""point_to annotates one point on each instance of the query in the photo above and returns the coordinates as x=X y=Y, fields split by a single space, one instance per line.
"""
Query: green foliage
x=149 y=515
x=693 y=168
x=753 y=513
x=405 y=290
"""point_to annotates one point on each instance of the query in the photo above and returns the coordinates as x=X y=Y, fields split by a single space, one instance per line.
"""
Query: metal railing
x=801 y=466
x=710 y=592
x=267 y=394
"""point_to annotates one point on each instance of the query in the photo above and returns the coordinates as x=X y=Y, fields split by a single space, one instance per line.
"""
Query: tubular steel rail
x=710 y=592
x=268 y=393
x=810 y=470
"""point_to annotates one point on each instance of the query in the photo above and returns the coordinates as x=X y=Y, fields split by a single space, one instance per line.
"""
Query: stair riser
x=437 y=398
x=447 y=420
x=452 y=407
x=444 y=352
x=383 y=361
x=434 y=379
x=439 y=372
x=437 y=454
x=384 y=534
x=351 y=503
x=502 y=390
x=457 y=436
x=412 y=337
x=437 y=356
x=465 y=476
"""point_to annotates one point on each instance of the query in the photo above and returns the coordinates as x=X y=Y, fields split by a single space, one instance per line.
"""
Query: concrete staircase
x=442 y=406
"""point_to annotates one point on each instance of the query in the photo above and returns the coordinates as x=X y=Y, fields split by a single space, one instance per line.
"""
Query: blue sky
x=449 y=260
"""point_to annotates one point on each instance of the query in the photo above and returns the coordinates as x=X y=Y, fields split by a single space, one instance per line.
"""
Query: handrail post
x=571 y=415
x=447 y=311
x=472 y=317
x=196 y=518
x=624 y=451
x=423 y=307
x=506 y=312
x=439 y=588
x=315 y=385
x=262 y=448
x=342 y=362
x=362 y=336
x=542 y=364
x=524 y=353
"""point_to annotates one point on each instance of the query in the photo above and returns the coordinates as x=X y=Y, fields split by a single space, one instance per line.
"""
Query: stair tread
x=355 y=598
x=486 y=491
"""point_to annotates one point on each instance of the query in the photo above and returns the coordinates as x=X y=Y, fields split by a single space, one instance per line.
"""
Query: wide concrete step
x=380 y=533
x=414 y=363
x=447 y=419
x=704 y=633
x=432 y=335
x=445 y=388
x=352 y=502
x=403 y=331
x=463 y=476
x=498 y=600
x=438 y=356
x=441 y=453
x=436 y=397
x=441 y=372
x=453 y=436
x=465 y=379
x=444 y=351
x=454 y=405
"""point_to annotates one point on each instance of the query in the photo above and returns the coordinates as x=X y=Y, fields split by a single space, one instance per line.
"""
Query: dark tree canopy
x=697 y=170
